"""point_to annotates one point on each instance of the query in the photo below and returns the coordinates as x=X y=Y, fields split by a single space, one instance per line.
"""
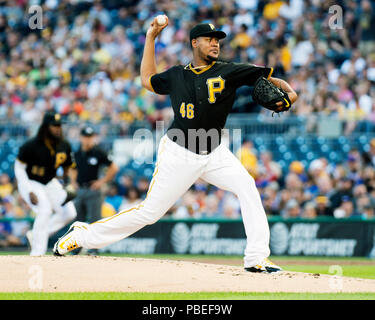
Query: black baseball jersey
x=203 y=98
x=89 y=163
x=42 y=159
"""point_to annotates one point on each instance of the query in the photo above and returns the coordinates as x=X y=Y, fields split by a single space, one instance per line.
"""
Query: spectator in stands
x=292 y=209
x=211 y=207
x=325 y=185
x=268 y=204
x=231 y=206
x=323 y=207
x=201 y=192
x=354 y=64
x=345 y=209
x=247 y=156
x=142 y=186
x=362 y=202
x=334 y=108
x=317 y=169
x=366 y=16
x=186 y=207
x=361 y=197
x=295 y=186
x=369 y=157
x=272 y=170
x=125 y=182
x=243 y=17
x=100 y=86
x=19 y=228
x=309 y=210
x=6 y=187
x=113 y=197
x=302 y=51
x=368 y=212
x=132 y=198
x=291 y=9
x=298 y=168
x=271 y=9
x=7 y=238
x=228 y=205
x=354 y=167
x=343 y=188
x=242 y=39
x=368 y=176
x=231 y=212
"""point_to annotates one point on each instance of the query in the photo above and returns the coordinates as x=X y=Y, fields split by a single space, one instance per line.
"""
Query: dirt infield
x=87 y=273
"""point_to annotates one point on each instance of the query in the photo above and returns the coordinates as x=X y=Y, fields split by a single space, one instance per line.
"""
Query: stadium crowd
x=84 y=63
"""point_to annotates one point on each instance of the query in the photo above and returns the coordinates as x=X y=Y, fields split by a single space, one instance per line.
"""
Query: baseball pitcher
x=202 y=95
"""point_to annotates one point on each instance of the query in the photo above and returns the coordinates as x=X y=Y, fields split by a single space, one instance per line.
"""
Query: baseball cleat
x=265 y=266
x=68 y=241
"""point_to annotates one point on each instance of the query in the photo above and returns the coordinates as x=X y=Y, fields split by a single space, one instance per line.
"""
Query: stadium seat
x=363 y=139
x=342 y=140
x=280 y=140
x=282 y=148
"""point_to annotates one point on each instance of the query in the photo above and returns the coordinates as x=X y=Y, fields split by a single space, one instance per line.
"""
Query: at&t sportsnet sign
x=304 y=239
x=202 y=238
x=323 y=237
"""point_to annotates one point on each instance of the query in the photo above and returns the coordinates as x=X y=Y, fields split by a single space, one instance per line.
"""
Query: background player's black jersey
x=203 y=98
x=88 y=164
x=42 y=159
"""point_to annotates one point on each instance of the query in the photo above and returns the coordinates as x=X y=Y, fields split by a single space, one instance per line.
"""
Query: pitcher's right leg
x=172 y=178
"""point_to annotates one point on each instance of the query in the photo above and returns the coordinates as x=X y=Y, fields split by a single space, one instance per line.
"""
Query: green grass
x=356 y=271
x=185 y=296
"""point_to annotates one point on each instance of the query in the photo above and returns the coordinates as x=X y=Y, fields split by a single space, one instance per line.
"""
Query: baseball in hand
x=161 y=20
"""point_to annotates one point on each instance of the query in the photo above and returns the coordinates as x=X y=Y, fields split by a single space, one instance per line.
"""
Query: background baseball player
x=202 y=94
x=35 y=171
x=85 y=177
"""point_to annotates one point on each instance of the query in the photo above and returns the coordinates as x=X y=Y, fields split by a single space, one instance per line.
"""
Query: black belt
x=209 y=146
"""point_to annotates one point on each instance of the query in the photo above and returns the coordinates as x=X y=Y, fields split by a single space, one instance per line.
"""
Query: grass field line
x=184 y=296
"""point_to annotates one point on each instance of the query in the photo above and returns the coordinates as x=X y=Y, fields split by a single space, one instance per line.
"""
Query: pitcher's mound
x=88 y=273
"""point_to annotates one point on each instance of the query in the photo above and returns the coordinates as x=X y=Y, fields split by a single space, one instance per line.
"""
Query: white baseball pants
x=50 y=215
x=175 y=171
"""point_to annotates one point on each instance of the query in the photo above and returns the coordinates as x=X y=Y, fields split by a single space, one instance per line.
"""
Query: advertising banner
x=223 y=237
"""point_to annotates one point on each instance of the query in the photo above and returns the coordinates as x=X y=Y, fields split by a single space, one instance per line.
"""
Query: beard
x=209 y=59
x=54 y=138
x=206 y=57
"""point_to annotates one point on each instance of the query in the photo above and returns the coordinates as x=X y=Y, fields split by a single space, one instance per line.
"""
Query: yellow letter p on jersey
x=215 y=85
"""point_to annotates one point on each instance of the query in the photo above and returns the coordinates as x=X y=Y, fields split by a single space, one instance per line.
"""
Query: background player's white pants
x=175 y=171
x=50 y=215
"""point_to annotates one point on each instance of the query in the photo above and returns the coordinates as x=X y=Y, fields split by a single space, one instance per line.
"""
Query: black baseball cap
x=52 y=118
x=206 y=29
x=87 y=131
